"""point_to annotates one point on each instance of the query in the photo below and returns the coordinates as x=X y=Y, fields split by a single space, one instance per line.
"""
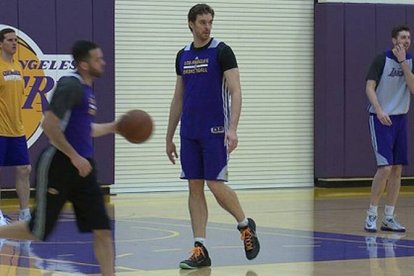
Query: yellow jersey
x=11 y=98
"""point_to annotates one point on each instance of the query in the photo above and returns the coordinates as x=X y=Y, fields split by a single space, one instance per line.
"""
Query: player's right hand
x=399 y=51
x=82 y=164
x=171 y=151
x=384 y=118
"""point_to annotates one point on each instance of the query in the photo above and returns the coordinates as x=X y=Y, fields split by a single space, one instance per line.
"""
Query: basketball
x=135 y=125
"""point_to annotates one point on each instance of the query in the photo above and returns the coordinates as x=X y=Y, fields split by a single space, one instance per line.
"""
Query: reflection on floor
x=299 y=234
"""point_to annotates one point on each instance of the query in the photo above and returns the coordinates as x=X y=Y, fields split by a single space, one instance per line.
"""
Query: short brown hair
x=199 y=9
x=4 y=32
x=396 y=30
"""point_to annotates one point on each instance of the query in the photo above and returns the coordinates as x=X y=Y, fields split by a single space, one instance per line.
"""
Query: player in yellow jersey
x=13 y=146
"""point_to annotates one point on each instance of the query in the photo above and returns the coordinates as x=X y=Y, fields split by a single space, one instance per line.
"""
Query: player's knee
x=102 y=236
x=385 y=170
x=396 y=171
x=216 y=186
x=24 y=170
x=196 y=187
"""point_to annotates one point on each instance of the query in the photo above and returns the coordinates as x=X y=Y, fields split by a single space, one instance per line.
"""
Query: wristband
x=401 y=61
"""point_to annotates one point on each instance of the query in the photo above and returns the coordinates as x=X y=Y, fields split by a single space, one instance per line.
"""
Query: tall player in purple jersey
x=66 y=170
x=207 y=78
x=389 y=83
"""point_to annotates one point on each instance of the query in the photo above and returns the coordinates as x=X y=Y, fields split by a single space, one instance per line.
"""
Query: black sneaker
x=199 y=258
x=250 y=240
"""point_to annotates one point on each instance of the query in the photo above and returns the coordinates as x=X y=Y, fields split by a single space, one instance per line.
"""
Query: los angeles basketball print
x=40 y=72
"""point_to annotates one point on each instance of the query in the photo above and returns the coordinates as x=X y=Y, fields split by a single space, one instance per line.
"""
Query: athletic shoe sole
x=383 y=228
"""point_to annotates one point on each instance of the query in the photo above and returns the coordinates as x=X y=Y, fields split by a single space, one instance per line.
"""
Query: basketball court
x=302 y=232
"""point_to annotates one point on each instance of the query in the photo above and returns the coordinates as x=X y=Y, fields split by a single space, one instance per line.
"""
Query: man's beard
x=95 y=73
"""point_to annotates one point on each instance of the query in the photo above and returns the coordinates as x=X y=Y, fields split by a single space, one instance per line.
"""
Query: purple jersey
x=74 y=103
x=206 y=107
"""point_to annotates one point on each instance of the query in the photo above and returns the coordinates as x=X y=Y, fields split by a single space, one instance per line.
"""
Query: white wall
x=273 y=42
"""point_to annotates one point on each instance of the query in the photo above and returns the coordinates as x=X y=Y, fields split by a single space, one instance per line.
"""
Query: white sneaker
x=371 y=222
x=4 y=220
x=391 y=224
x=25 y=216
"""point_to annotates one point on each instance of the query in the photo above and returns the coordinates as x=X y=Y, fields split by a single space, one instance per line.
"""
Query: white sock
x=200 y=240
x=389 y=211
x=243 y=223
x=373 y=209
x=1 y=214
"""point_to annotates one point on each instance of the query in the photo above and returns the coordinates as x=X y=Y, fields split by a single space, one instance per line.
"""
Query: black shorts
x=58 y=181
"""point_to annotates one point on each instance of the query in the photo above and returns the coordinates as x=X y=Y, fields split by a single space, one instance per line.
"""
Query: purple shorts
x=389 y=142
x=13 y=151
x=204 y=158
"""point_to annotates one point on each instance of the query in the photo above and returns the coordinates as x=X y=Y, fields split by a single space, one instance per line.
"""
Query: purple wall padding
x=103 y=33
x=329 y=90
x=54 y=26
x=359 y=50
x=347 y=38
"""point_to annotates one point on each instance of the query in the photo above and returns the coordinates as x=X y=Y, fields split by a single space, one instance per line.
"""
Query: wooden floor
x=302 y=232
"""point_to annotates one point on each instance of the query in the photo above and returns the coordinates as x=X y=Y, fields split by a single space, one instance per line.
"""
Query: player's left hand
x=171 y=151
x=231 y=140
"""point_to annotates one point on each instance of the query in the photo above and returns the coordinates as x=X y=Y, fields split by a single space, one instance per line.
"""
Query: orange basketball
x=135 y=125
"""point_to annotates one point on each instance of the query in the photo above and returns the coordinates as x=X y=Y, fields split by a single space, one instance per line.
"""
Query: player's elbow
x=45 y=125
x=48 y=126
x=50 y=122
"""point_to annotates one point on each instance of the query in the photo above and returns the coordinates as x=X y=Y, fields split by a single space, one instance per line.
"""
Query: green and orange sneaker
x=250 y=240
x=199 y=258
